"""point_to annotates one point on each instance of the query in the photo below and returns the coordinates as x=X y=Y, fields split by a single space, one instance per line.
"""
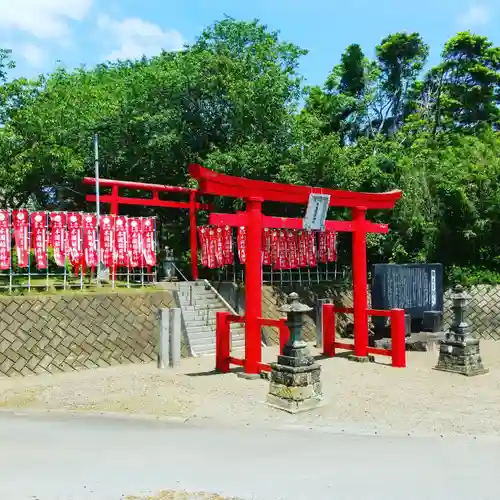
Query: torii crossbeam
x=255 y=193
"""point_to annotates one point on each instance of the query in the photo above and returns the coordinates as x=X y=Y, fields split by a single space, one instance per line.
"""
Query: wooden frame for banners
x=254 y=194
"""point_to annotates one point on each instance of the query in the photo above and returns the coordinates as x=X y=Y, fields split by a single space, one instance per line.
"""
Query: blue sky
x=41 y=32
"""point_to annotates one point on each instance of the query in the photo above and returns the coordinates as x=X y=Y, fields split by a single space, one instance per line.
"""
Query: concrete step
x=217 y=307
x=192 y=331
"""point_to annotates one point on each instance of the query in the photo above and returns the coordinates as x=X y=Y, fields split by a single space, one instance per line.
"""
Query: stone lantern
x=295 y=383
x=459 y=353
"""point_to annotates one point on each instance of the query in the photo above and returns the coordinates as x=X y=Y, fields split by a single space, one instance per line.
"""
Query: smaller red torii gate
x=255 y=193
x=115 y=200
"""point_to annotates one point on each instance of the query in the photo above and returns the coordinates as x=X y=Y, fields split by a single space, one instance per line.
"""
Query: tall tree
x=466 y=85
x=401 y=57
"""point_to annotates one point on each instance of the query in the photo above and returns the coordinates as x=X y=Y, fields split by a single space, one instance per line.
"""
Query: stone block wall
x=54 y=333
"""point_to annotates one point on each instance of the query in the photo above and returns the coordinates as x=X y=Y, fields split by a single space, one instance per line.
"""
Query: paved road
x=80 y=458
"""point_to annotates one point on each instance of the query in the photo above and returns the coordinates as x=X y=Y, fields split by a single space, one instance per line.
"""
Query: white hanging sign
x=317 y=209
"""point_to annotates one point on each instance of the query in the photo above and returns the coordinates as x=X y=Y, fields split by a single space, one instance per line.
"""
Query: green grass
x=44 y=286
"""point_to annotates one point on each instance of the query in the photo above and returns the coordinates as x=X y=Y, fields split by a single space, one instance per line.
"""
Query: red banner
x=266 y=247
x=275 y=247
x=227 y=236
x=5 y=242
x=302 y=243
x=58 y=237
x=121 y=233
x=149 y=243
x=134 y=242
x=39 y=238
x=322 y=248
x=203 y=233
x=242 y=244
x=282 y=260
x=331 y=245
x=74 y=249
x=20 y=224
x=311 y=249
x=90 y=240
x=218 y=247
x=107 y=240
x=211 y=244
x=293 y=251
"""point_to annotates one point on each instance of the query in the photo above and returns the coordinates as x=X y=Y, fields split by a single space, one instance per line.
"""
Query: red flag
x=331 y=243
x=322 y=248
x=39 y=237
x=107 y=239
x=311 y=249
x=134 y=242
x=302 y=237
x=275 y=248
x=121 y=234
x=90 y=239
x=212 y=259
x=219 y=251
x=58 y=237
x=203 y=233
x=282 y=261
x=242 y=244
x=5 y=241
x=149 y=243
x=293 y=254
x=266 y=246
x=228 y=246
x=20 y=224
x=74 y=249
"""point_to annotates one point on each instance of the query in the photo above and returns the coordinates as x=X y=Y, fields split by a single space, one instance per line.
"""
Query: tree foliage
x=234 y=101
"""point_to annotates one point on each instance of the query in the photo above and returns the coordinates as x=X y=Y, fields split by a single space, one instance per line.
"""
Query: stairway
x=199 y=304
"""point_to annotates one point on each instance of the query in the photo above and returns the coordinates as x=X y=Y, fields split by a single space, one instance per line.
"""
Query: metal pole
x=97 y=205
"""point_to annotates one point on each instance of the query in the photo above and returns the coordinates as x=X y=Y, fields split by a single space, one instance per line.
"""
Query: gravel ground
x=368 y=397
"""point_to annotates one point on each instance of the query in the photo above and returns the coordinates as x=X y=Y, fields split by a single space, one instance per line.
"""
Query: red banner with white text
x=5 y=243
x=58 y=237
x=39 y=238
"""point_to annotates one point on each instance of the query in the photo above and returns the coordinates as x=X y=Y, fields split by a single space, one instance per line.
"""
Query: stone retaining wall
x=53 y=333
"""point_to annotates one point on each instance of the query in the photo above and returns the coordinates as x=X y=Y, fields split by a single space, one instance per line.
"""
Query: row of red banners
x=124 y=241
x=282 y=249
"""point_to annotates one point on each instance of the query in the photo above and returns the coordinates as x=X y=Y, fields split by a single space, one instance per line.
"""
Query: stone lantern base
x=295 y=384
x=460 y=356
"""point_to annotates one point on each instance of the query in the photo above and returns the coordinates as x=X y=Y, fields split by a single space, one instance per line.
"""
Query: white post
x=319 y=321
x=164 y=341
x=97 y=206
x=175 y=337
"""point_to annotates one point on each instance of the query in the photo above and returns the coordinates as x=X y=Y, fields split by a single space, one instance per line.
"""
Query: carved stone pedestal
x=295 y=379
x=459 y=353
x=295 y=383
x=461 y=357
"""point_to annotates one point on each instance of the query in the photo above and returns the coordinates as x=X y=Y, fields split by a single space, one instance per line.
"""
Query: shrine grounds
x=359 y=398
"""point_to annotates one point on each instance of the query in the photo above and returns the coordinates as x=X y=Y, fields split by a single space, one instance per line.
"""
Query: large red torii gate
x=255 y=193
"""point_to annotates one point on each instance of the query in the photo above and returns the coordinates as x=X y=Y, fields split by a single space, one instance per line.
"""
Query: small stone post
x=295 y=383
x=459 y=353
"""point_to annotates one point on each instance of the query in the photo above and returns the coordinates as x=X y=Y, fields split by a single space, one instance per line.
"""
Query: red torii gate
x=115 y=200
x=255 y=193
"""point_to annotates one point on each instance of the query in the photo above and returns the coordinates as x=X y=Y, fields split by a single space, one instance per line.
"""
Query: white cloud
x=136 y=37
x=43 y=19
x=32 y=53
x=476 y=15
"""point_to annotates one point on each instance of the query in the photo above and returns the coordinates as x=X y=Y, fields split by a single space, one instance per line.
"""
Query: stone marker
x=295 y=383
x=459 y=353
x=416 y=288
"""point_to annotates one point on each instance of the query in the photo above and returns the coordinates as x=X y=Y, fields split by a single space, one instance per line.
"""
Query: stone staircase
x=199 y=304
